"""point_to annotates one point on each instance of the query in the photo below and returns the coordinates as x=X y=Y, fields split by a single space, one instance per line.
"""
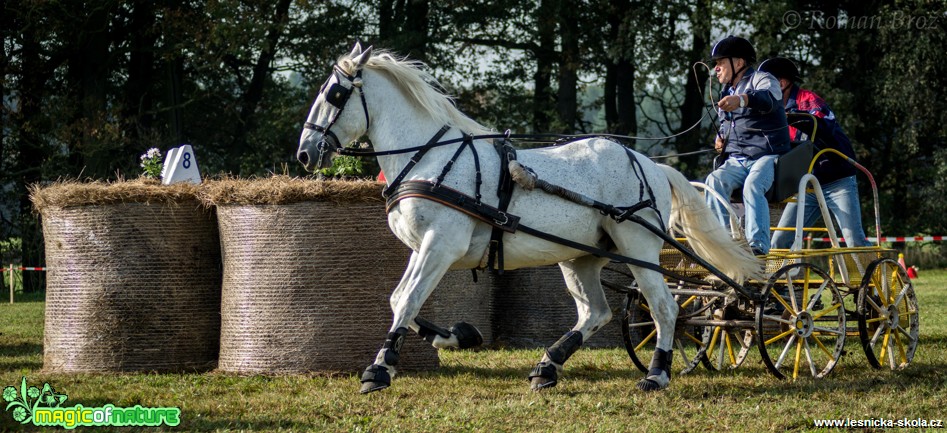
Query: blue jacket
x=830 y=167
x=760 y=128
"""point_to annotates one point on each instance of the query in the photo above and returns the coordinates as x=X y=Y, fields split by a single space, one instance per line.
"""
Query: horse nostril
x=303 y=157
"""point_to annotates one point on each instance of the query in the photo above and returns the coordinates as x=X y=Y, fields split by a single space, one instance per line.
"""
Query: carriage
x=812 y=300
x=467 y=199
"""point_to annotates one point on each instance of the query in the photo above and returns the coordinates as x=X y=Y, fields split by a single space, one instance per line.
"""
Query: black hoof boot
x=375 y=378
x=659 y=375
x=467 y=335
x=543 y=376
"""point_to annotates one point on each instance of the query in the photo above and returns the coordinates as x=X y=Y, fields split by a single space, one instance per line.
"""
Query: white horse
x=397 y=107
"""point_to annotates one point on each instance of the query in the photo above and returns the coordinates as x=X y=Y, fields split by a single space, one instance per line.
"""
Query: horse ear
x=356 y=50
x=362 y=59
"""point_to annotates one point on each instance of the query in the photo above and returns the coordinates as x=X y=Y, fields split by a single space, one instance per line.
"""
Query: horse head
x=329 y=125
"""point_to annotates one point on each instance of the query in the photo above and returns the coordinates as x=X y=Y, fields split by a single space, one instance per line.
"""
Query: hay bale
x=134 y=278
x=533 y=308
x=308 y=272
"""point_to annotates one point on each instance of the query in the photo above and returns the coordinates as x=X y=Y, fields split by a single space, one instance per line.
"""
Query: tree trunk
x=139 y=98
x=262 y=69
x=695 y=94
x=567 y=101
x=542 y=78
x=30 y=152
x=403 y=27
x=620 y=108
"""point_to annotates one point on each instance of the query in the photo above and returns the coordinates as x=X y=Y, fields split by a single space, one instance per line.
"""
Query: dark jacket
x=760 y=128
x=829 y=167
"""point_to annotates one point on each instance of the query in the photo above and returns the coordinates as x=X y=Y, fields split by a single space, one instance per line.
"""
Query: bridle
x=337 y=96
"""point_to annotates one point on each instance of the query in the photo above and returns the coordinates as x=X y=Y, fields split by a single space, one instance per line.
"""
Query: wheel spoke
x=688 y=301
x=646 y=339
x=694 y=339
x=778 y=337
x=874 y=338
x=827 y=311
x=792 y=295
x=816 y=297
x=680 y=347
x=781 y=300
x=805 y=286
x=779 y=319
x=901 y=294
x=829 y=331
x=877 y=308
x=809 y=358
x=733 y=357
x=795 y=368
x=641 y=324
x=825 y=349
x=897 y=341
x=885 y=342
x=782 y=355
x=876 y=319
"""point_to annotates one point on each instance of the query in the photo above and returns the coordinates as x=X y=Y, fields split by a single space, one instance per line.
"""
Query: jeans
x=756 y=177
x=841 y=197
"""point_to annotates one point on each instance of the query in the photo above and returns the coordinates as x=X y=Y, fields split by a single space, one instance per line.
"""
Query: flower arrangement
x=151 y=163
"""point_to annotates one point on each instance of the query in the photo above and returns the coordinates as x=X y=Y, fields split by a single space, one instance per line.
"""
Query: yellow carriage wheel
x=640 y=335
x=800 y=328
x=887 y=315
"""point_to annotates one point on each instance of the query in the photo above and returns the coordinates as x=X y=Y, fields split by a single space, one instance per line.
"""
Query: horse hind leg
x=582 y=279
x=664 y=311
x=636 y=243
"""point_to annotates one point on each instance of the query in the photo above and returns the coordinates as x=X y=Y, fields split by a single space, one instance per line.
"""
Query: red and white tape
x=891 y=239
x=23 y=268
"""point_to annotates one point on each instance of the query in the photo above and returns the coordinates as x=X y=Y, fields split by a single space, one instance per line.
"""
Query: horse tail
x=706 y=236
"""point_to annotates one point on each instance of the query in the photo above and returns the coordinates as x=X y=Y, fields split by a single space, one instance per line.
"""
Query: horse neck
x=396 y=123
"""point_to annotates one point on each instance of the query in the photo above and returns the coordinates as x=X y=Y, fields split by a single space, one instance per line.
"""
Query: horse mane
x=414 y=79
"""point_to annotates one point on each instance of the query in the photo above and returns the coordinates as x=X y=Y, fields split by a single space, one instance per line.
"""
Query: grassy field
x=487 y=390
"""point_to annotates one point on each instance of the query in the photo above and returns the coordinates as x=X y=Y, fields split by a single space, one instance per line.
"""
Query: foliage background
x=89 y=85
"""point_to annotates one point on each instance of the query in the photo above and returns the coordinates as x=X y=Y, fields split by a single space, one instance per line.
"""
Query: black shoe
x=758 y=252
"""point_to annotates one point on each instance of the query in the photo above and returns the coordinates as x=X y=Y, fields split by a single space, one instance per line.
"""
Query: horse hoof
x=543 y=376
x=375 y=378
x=368 y=387
x=541 y=383
x=467 y=335
x=648 y=385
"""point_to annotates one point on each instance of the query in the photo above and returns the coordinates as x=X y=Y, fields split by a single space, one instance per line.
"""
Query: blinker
x=338 y=95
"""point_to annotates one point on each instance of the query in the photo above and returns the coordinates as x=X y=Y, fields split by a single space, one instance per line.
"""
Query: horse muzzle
x=319 y=155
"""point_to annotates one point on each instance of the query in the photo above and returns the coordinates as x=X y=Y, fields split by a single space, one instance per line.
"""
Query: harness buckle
x=506 y=219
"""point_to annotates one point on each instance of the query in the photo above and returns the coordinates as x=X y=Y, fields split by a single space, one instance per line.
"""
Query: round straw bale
x=134 y=278
x=309 y=267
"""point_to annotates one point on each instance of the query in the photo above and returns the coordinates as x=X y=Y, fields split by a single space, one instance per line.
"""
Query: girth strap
x=453 y=199
x=505 y=193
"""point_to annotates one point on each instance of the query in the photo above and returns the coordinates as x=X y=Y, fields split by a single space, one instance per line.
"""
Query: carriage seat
x=790 y=167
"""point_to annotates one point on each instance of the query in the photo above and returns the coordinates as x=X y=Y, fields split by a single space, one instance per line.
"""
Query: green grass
x=487 y=390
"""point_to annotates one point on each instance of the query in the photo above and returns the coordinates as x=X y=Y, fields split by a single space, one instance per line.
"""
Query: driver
x=753 y=132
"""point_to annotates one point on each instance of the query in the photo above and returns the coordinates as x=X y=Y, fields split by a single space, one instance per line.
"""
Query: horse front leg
x=425 y=270
x=582 y=276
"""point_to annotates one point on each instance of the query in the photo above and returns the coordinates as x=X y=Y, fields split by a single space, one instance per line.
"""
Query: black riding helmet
x=781 y=67
x=733 y=46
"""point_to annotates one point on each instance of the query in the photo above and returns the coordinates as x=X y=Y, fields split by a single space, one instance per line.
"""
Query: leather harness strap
x=505 y=193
